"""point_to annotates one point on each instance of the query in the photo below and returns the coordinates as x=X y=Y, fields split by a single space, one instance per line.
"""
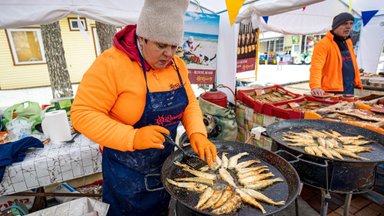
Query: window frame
x=12 y=48
x=74 y=19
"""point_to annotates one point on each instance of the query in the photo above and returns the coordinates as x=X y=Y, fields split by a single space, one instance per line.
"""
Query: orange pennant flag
x=233 y=7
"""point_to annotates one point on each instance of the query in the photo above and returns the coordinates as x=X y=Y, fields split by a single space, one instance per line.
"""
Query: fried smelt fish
x=350 y=154
x=195 y=179
x=309 y=150
x=204 y=197
x=250 y=169
x=177 y=163
x=255 y=179
x=224 y=161
x=191 y=186
x=357 y=149
x=216 y=165
x=325 y=152
x=336 y=154
x=226 y=176
x=233 y=160
x=250 y=200
x=226 y=195
x=321 y=141
x=200 y=174
x=335 y=133
x=317 y=151
x=231 y=205
x=264 y=183
x=259 y=196
x=245 y=164
x=214 y=198
x=204 y=168
x=252 y=173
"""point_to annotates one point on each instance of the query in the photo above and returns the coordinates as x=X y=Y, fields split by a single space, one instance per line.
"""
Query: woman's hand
x=203 y=147
x=149 y=137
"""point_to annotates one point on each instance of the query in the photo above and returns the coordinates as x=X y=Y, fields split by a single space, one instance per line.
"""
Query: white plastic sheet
x=78 y=207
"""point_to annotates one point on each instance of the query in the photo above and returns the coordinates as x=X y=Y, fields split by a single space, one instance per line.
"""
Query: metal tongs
x=192 y=160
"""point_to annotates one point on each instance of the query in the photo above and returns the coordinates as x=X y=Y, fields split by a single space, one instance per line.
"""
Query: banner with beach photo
x=199 y=47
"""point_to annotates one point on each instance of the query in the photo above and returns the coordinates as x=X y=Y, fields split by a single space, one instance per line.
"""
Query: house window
x=74 y=24
x=26 y=46
x=279 y=45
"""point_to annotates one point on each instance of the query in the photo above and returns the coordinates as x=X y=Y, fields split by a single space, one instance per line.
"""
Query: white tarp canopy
x=317 y=18
x=20 y=13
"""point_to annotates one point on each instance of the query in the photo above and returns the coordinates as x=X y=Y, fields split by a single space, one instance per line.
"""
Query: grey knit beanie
x=341 y=18
x=162 y=21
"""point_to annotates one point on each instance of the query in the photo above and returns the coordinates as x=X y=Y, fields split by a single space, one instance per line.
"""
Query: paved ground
x=266 y=74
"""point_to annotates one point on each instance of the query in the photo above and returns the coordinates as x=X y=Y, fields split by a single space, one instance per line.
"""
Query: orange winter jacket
x=111 y=98
x=326 y=65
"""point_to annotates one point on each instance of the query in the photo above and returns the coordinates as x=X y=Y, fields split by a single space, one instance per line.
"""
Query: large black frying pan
x=277 y=131
x=287 y=190
x=348 y=175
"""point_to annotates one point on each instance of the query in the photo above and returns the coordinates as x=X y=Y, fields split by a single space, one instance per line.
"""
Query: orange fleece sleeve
x=94 y=99
x=318 y=60
x=193 y=117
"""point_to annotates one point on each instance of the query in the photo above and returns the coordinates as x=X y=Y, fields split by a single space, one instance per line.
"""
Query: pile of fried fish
x=330 y=144
x=221 y=193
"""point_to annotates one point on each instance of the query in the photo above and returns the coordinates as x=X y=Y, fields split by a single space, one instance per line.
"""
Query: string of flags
x=233 y=8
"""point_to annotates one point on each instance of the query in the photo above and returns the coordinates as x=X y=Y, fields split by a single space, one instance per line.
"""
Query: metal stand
x=347 y=203
x=325 y=198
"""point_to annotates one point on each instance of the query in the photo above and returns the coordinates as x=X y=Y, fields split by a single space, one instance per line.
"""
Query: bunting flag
x=233 y=7
x=265 y=18
x=366 y=16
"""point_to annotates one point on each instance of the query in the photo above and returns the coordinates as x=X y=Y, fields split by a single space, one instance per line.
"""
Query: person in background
x=189 y=51
x=131 y=95
x=334 y=67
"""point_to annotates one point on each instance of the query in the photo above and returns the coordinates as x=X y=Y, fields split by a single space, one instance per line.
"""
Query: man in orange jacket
x=132 y=94
x=334 y=67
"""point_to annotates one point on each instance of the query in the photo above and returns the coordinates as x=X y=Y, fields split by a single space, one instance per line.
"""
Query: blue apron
x=131 y=180
x=348 y=73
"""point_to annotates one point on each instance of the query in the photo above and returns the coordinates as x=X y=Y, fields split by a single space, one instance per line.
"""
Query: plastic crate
x=277 y=110
x=246 y=97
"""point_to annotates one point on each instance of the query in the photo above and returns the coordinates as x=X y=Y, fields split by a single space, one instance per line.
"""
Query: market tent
x=19 y=13
x=317 y=18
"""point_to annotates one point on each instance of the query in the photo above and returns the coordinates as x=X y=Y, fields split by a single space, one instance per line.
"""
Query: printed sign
x=199 y=47
x=246 y=48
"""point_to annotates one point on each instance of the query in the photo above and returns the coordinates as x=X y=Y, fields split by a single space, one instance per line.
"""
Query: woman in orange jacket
x=334 y=67
x=132 y=94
